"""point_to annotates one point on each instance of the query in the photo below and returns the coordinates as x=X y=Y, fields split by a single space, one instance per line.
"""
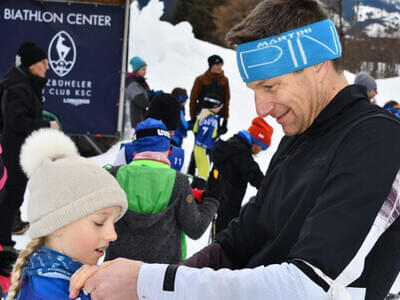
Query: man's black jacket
x=330 y=197
x=323 y=191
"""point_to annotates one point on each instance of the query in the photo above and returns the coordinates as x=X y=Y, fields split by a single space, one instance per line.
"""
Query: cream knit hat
x=64 y=187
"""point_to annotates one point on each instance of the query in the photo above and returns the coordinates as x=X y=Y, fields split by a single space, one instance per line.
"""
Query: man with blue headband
x=324 y=223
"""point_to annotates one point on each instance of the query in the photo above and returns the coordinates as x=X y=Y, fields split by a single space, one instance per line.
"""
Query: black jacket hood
x=223 y=150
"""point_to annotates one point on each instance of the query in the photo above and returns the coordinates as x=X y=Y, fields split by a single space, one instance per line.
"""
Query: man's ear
x=321 y=70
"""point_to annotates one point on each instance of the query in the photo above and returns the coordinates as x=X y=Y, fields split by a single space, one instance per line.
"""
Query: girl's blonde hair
x=204 y=113
x=23 y=257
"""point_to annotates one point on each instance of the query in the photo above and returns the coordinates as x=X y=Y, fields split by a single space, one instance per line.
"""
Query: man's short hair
x=273 y=17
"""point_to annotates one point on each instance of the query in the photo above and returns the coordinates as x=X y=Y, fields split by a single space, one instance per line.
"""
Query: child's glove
x=223 y=128
x=215 y=187
x=198 y=183
x=198 y=195
x=191 y=124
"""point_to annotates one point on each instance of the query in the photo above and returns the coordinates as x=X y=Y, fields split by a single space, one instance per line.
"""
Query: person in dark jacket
x=22 y=114
x=215 y=82
x=181 y=132
x=137 y=98
x=326 y=217
x=367 y=81
x=234 y=159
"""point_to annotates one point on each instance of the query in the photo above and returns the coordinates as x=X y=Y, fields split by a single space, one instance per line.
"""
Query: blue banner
x=84 y=46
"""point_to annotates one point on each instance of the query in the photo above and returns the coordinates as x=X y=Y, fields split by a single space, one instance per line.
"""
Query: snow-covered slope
x=377 y=18
x=175 y=58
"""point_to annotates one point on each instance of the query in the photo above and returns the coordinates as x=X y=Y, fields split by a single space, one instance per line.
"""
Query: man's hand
x=114 y=280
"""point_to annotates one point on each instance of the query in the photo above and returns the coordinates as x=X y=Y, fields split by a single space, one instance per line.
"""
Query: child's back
x=161 y=205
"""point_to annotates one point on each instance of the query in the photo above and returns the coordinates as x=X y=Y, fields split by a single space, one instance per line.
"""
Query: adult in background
x=234 y=159
x=213 y=81
x=367 y=81
x=137 y=98
x=326 y=214
x=22 y=114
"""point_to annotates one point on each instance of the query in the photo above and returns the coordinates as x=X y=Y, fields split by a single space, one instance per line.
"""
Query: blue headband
x=288 y=52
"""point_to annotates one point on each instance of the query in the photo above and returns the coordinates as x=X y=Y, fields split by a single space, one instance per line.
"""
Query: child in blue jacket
x=206 y=132
x=73 y=205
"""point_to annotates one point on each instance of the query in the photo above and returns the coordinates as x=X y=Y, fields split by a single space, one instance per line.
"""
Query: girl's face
x=216 y=109
x=86 y=239
x=142 y=71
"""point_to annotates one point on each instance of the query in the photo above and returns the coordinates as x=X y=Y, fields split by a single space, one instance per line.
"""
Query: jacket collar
x=214 y=75
x=152 y=156
x=345 y=99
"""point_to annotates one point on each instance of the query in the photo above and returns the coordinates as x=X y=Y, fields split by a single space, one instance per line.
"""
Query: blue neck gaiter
x=49 y=263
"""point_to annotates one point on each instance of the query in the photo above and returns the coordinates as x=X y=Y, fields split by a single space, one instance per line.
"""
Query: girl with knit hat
x=73 y=205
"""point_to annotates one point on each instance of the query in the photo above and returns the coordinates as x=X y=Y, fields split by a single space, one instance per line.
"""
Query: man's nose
x=263 y=106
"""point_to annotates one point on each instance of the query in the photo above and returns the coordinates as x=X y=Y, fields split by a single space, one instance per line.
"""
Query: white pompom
x=45 y=144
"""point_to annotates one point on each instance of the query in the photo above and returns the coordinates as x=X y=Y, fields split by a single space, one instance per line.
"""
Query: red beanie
x=261 y=132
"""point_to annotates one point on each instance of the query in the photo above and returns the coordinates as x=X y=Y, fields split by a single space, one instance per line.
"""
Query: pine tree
x=228 y=15
x=199 y=15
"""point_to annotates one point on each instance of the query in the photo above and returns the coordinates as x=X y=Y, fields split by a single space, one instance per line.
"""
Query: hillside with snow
x=376 y=18
x=174 y=59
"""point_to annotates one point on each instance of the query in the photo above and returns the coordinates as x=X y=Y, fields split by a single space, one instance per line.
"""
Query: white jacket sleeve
x=275 y=282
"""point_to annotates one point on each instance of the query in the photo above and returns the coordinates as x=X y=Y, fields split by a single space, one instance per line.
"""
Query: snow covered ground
x=174 y=59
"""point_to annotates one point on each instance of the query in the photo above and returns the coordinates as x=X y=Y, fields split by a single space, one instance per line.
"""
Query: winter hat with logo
x=64 y=187
x=166 y=108
x=364 y=79
x=30 y=53
x=261 y=132
x=212 y=101
x=136 y=63
x=151 y=135
x=215 y=60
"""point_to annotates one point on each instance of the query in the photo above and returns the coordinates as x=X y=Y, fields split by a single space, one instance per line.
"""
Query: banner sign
x=84 y=46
